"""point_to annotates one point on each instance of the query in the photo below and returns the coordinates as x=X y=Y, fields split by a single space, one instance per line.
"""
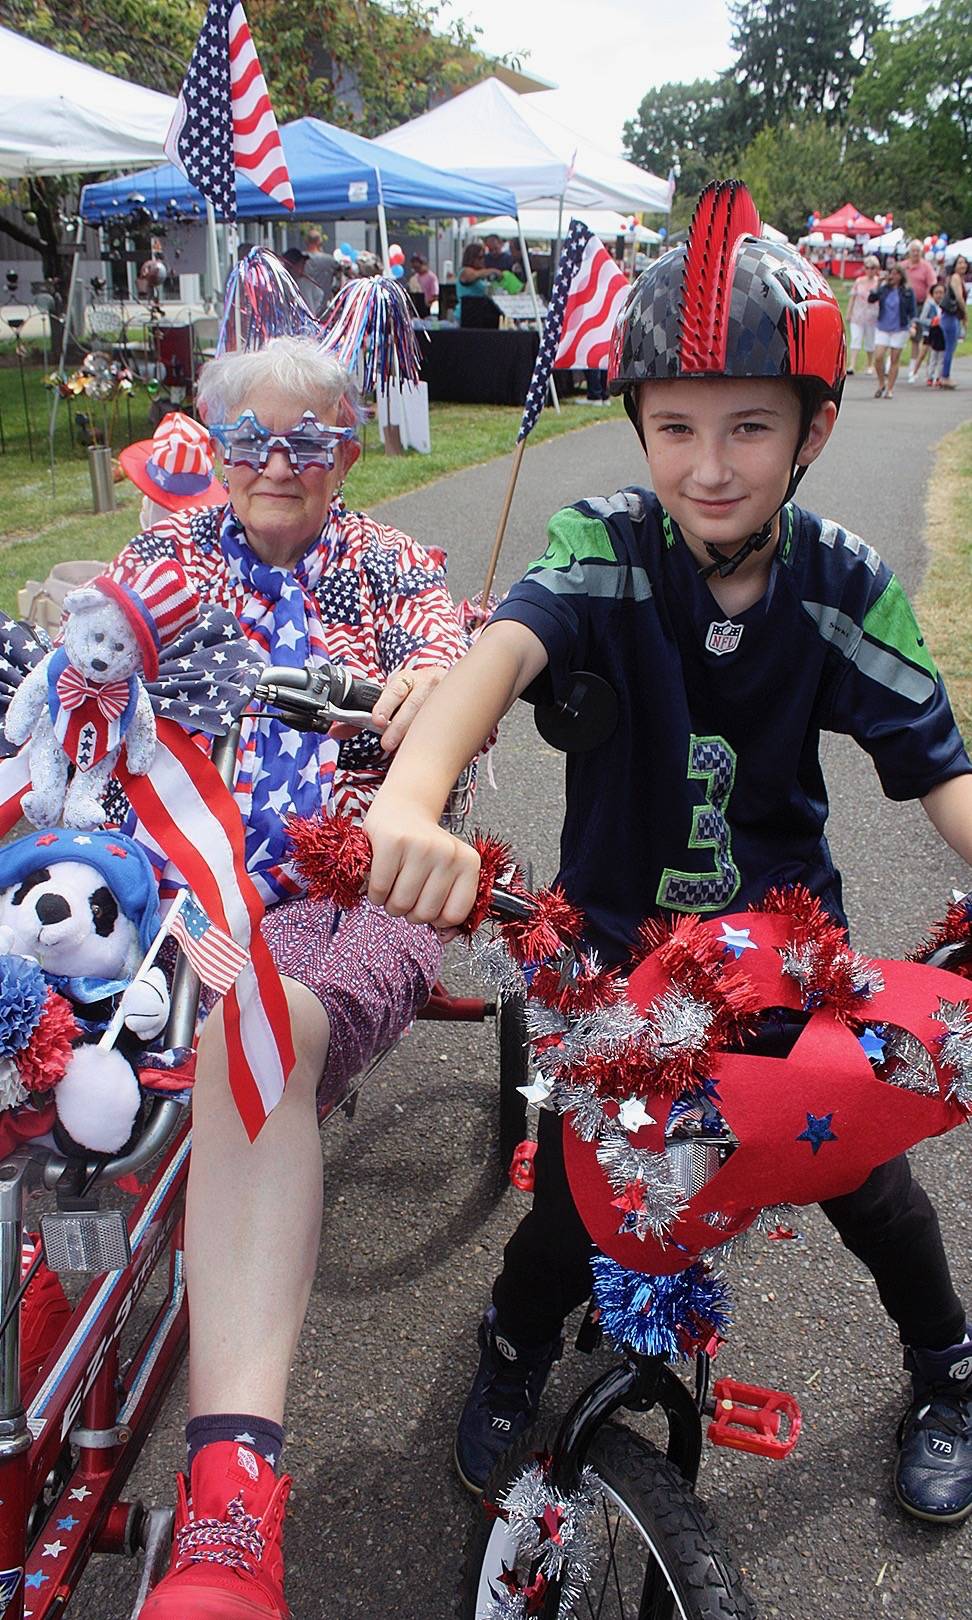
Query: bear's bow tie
x=73 y=690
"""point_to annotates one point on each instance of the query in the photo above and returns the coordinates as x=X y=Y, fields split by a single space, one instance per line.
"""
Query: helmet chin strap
x=723 y=565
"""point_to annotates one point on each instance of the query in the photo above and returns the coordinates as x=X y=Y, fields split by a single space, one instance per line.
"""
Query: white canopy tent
x=58 y=116
x=490 y=133
x=541 y=224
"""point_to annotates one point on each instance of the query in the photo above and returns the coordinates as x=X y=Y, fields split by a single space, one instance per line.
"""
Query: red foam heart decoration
x=767 y=1101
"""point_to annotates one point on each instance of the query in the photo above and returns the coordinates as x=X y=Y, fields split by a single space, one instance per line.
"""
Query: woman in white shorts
x=862 y=315
x=896 y=311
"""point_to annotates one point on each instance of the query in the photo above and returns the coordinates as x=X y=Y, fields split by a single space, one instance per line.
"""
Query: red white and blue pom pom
x=369 y=327
x=262 y=302
x=658 y=1316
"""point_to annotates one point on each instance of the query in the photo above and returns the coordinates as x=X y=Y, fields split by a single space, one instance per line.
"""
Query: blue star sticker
x=873 y=1045
x=68 y=1523
x=737 y=940
x=37 y=1579
x=818 y=1131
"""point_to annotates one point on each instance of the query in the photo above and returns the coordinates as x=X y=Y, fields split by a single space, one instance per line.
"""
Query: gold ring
x=408 y=679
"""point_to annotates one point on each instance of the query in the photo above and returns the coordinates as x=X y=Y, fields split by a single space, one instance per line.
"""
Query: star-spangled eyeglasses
x=309 y=443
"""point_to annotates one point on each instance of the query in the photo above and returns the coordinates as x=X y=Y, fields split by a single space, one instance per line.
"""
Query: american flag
x=585 y=300
x=224 y=122
x=216 y=957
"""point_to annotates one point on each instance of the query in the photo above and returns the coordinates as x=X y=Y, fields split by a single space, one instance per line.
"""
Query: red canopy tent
x=848 y=221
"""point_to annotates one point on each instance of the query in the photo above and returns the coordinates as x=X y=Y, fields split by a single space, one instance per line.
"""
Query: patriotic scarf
x=280 y=771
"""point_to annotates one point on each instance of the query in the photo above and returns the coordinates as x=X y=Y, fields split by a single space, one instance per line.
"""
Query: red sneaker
x=227 y=1553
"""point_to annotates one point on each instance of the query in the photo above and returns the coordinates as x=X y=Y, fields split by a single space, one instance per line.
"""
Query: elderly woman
x=305 y=578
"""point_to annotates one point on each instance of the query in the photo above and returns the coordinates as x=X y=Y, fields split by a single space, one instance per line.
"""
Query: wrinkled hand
x=400 y=702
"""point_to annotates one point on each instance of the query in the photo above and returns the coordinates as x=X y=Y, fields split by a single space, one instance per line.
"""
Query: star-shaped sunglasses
x=309 y=443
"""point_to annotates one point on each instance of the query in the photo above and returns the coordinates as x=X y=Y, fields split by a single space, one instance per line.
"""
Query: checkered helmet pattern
x=729 y=303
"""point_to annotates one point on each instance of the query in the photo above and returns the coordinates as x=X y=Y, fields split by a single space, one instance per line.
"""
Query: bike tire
x=685 y=1572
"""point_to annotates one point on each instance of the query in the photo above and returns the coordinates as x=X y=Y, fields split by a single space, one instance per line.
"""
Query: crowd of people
x=910 y=300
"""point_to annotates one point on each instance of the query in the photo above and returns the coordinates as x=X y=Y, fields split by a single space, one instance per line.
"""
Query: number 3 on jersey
x=712 y=762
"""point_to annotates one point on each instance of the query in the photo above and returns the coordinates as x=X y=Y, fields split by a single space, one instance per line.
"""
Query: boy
x=734 y=628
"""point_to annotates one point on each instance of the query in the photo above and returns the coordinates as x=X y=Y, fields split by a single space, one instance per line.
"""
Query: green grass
x=45 y=521
x=943 y=602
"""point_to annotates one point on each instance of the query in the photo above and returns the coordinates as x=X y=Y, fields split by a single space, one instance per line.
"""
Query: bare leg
x=869 y=356
x=851 y=361
x=880 y=354
x=253 y=1224
x=894 y=360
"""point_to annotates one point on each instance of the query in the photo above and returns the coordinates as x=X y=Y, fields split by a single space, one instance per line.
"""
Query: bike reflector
x=89 y=1240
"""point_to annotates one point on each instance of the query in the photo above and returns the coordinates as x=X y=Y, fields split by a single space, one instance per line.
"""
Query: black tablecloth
x=472 y=367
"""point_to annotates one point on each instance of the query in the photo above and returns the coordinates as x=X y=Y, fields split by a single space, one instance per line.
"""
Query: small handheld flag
x=585 y=299
x=224 y=123
x=215 y=956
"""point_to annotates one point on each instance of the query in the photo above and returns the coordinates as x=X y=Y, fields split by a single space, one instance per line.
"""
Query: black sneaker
x=503 y=1400
x=933 y=1477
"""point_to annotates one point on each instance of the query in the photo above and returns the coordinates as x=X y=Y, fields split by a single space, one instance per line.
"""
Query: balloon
x=943 y=237
x=349 y=252
x=396 y=254
x=398 y=271
x=663 y=231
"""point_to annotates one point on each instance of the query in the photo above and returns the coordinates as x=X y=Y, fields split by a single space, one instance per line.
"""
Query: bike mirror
x=584 y=720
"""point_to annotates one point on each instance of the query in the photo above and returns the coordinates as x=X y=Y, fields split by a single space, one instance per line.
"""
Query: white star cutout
x=538 y=1092
x=54 y=1549
x=737 y=940
x=633 y=1114
x=79 y=1493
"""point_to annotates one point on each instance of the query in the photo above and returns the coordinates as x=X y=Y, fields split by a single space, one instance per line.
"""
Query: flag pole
x=501 y=526
x=113 y=1030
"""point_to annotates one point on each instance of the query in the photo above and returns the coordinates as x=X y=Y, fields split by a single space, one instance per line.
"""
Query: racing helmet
x=729 y=303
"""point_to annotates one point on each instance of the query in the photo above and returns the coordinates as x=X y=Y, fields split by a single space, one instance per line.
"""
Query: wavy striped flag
x=585 y=301
x=224 y=123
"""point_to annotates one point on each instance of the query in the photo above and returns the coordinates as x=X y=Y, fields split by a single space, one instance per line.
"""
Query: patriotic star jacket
x=383 y=602
x=711 y=790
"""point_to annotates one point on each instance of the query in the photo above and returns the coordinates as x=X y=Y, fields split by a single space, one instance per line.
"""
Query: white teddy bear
x=84 y=907
x=85 y=697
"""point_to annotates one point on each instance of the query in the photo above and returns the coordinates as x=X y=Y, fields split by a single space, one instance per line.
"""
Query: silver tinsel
x=572 y=1554
x=491 y=962
x=678 y=1022
x=915 y=1068
x=12 y=1090
x=803 y=963
x=772 y=1216
x=585 y=1106
x=623 y=1164
x=603 y=1033
x=955 y=1048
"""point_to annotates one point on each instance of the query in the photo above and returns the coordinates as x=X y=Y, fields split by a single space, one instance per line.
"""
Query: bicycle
x=81 y=1384
x=584 y=1516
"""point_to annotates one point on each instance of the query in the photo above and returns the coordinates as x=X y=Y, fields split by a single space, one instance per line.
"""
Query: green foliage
x=694 y=128
x=915 y=102
x=802 y=55
x=794 y=168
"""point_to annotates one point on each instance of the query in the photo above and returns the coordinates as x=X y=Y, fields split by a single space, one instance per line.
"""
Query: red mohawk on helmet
x=724 y=214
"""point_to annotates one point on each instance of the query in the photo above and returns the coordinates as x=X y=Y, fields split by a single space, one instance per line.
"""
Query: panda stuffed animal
x=84 y=906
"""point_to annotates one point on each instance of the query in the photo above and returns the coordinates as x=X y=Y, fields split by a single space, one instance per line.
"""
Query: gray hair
x=298 y=366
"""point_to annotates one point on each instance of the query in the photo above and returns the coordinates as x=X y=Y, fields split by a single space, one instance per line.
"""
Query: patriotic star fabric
x=363 y=596
x=224 y=123
x=585 y=300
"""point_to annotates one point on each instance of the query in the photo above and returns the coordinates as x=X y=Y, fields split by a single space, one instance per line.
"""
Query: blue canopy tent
x=334 y=174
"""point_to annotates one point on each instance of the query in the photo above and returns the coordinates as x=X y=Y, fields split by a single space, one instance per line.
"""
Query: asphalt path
x=414 y=1232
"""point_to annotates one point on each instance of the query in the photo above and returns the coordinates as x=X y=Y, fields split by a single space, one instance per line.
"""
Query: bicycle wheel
x=656 y=1552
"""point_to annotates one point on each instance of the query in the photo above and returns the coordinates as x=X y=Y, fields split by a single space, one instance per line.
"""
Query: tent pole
x=65 y=339
x=382 y=227
x=212 y=254
x=532 y=288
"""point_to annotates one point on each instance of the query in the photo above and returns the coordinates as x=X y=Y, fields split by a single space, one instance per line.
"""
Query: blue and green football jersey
x=710 y=789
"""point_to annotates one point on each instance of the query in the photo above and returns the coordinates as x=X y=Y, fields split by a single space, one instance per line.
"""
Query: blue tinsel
x=647 y=1312
x=23 y=994
x=270 y=304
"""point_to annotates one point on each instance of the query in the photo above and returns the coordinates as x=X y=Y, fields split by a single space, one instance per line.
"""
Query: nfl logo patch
x=724 y=637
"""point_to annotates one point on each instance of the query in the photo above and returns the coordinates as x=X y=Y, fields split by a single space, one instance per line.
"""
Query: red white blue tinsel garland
x=262 y=302
x=368 y=325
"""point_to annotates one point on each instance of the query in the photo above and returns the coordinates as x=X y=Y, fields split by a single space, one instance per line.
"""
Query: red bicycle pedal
x=747 y=1417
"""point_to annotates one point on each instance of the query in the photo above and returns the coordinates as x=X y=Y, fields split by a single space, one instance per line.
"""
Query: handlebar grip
x=362 y=695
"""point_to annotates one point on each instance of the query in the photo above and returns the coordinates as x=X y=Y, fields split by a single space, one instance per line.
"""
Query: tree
x=796 y=168
x=693 y=128
x=915 y=103
x=802 y=55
